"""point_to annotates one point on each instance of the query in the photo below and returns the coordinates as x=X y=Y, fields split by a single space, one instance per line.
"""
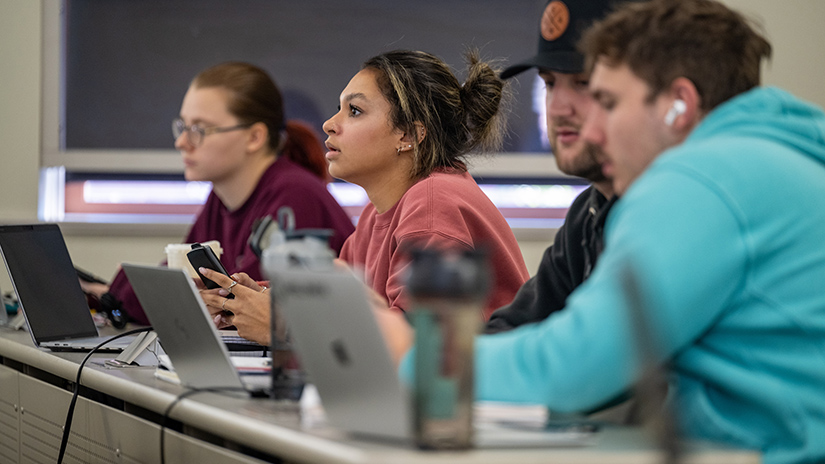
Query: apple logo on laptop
x=340 y=352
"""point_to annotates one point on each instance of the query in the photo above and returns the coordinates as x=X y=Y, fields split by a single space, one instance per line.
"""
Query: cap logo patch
x=555 y=20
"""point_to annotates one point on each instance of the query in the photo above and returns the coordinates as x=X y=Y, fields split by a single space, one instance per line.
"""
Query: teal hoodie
x=725 y=238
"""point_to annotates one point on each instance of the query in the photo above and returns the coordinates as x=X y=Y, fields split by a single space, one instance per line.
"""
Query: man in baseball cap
x=578 y=243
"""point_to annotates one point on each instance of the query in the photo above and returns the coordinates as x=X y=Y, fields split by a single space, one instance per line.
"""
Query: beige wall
x=795 y=30
x=19 y=111
x=798 y=65
x=19 y=108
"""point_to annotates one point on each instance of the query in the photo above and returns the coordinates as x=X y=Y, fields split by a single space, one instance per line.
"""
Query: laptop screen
x=46 y=282
x=182 y=322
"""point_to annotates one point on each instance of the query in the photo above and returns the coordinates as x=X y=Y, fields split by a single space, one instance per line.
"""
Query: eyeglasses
x=196 y=133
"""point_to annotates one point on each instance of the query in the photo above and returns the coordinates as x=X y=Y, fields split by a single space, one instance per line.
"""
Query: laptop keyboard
x=238 y=343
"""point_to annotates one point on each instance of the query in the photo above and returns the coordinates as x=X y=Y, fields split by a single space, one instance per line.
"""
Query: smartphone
x=203 y=256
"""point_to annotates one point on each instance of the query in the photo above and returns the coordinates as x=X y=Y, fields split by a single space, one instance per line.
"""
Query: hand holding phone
x=203 y=256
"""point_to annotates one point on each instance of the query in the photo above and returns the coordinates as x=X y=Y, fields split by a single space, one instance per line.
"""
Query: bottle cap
x=449 y=274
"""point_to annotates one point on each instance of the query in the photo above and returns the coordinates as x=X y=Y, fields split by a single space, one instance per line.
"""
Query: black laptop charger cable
x=165 y=424
x=68 y=426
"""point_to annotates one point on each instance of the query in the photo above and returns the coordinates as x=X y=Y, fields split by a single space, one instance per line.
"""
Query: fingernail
x=234 y=276
x=222 y=292
x=217 y=319
x=202 y=270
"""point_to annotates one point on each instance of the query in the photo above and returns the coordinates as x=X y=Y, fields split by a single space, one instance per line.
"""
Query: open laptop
x=344 y=354
x=187 y=334
x=48 y=291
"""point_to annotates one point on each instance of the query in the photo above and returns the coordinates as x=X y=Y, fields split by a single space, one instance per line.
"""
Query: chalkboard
x=129 y=62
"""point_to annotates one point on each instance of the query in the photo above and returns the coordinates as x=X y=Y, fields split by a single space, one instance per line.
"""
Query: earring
x=398 y=150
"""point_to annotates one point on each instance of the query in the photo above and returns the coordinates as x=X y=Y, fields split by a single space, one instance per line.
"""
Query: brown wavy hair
x=716 y=48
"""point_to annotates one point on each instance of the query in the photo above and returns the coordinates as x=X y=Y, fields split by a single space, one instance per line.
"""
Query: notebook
x=187 y=334
x=343 y=352
x=48 y=290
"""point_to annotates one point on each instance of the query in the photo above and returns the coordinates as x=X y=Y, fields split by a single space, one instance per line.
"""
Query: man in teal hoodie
x=714 y=258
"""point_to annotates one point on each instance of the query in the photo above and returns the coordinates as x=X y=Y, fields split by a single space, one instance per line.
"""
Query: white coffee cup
x=176 y=255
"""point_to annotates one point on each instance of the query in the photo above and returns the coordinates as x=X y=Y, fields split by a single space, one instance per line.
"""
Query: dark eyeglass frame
x=196 y=133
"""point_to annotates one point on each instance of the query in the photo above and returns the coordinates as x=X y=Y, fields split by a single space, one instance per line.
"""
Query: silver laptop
x=340 y=347
x=187 y=334
x=48 y=291
x=344 y=354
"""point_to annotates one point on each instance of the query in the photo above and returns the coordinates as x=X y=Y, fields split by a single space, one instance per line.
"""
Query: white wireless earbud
x=679 y=107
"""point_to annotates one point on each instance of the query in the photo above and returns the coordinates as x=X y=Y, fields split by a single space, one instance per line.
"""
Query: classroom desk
x=118 y=419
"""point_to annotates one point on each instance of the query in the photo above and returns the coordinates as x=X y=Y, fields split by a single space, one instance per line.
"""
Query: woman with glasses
x=404 y=127
x=231 y=132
